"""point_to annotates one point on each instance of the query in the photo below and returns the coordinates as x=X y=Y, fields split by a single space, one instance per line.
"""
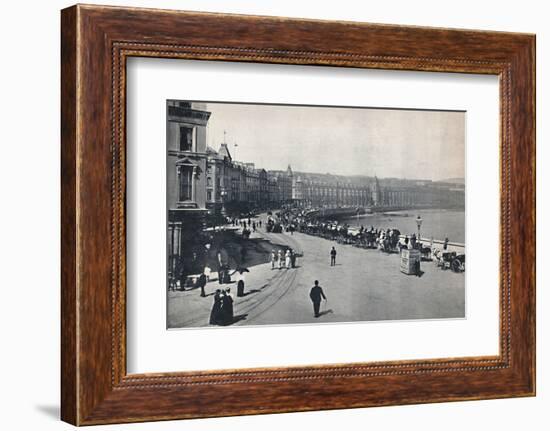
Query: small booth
x=409 y=259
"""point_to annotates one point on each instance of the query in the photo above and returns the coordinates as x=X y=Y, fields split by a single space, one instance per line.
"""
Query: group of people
x=224 y=274
x=283 y=259
x=246 y=223
x=389 y=240
x=222 y=309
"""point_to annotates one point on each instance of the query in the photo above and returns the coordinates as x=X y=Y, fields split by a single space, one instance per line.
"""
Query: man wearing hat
x=315 y=295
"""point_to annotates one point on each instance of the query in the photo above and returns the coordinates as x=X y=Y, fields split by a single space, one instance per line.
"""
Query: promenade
x=365 y=285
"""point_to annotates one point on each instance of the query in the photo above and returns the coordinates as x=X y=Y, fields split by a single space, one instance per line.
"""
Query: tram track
x=260 y=299
x=278 y=289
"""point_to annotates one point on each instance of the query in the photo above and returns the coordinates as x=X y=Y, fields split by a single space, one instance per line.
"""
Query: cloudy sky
x=345 y=141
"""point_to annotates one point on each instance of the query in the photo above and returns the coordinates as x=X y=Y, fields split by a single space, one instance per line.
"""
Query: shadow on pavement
x=238 y=318
x=257 y=251
x=250 y=292
x=322 y=313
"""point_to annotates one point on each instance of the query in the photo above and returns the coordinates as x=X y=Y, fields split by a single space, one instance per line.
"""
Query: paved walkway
x=365 y=285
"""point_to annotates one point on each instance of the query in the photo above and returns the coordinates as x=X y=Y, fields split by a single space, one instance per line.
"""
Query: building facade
x=187 y=178
x=204 y=181
x=186 y=156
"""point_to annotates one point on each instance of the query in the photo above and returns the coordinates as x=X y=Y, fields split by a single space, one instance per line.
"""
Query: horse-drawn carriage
x=450 y=260
x=389 y=241
x=368 y=239
x=458 y=264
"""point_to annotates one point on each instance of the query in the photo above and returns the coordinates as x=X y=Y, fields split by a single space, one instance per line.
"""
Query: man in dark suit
x=201 y=282
x=333 y=257
x=315 y=295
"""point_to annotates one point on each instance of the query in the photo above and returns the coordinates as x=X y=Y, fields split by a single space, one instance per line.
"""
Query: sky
x=342 y=141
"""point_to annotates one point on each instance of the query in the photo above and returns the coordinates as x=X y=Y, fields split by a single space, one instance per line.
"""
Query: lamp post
x=418 y=225
x=223 y=194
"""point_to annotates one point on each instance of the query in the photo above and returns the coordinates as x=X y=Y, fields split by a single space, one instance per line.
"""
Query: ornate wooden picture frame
x=96 y=41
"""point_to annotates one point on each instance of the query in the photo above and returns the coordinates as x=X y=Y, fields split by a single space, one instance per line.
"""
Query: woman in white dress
x=207 y=272
x=280 y=259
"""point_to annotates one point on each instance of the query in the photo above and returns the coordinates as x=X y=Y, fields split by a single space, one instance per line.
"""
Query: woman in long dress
x=207 y=272
x=240 y=279
x=287 y=259
x=273 y=259
x=280 y=258
x=215 y=314
x=227 y=308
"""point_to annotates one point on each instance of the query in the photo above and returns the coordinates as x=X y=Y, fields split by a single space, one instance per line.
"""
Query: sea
x=436 y=223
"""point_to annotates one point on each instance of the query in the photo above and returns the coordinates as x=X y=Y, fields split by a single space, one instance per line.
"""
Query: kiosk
x=409 y=258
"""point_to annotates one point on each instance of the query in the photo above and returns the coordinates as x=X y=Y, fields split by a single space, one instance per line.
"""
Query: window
x=209 y=195
x=209 y=182
x=186 y=138
x=186 y=180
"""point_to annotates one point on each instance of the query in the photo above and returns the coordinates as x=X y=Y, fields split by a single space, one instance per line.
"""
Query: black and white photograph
x=298 y=214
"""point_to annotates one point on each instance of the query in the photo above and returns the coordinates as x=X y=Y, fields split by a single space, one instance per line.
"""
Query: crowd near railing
x=444 y=253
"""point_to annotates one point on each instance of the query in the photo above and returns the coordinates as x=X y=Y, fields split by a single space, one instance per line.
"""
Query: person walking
x=222 y=261
x=315 y=294
x=273 y=259
x=227 y=307
x=288 y=259
x=417 y=270
x=280 y=259
x=201 y=282
x=215 y=314
x=207 y=272
x=333 y=257
x=240 y=278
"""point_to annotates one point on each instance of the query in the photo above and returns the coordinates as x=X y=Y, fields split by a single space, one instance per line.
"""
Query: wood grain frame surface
x=95 y=44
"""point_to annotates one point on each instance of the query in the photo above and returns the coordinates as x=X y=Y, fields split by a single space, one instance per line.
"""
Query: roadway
x=365 y=285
